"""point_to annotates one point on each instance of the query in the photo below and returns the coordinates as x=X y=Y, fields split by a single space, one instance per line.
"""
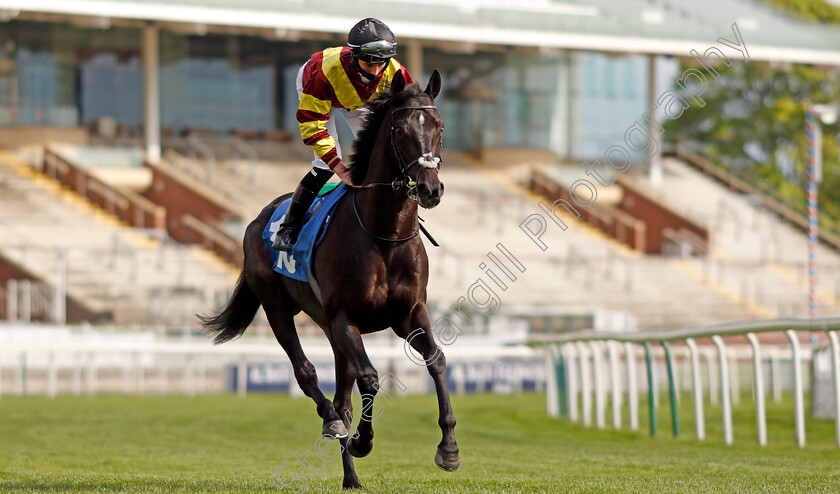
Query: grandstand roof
x=665 y=27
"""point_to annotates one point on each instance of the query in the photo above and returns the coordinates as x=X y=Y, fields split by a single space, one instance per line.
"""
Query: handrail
x=195 y=144
x=239 y=145
x=684 y=236
x=209 y=232
x=88 y=185
x=725 y=329
x=613 y=221
x=695 y=240
x=214 y=239
x=736 y=183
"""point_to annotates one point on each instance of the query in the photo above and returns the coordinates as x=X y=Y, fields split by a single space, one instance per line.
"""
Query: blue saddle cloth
x=298 y=263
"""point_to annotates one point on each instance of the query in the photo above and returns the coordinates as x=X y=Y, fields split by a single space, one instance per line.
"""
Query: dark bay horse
x=372 y=269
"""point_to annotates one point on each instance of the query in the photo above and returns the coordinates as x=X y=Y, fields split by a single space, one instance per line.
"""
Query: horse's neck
x=386 y=212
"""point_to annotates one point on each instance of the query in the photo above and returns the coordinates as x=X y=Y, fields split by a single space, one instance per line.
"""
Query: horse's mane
x=365 y=141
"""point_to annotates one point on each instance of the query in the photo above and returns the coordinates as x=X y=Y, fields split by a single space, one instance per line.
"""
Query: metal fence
x=569 y=376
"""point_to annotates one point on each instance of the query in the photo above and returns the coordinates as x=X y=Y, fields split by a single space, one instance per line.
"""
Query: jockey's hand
x=342 y=172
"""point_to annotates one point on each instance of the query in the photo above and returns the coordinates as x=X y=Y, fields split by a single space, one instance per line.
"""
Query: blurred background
x=139 y=138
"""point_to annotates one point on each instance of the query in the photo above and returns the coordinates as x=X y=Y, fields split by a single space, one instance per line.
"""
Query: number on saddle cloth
x=295 y=264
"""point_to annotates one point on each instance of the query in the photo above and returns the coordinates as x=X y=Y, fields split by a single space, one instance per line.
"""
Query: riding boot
x=290 y=228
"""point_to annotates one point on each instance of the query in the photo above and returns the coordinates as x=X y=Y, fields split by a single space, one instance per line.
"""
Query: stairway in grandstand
x=249 y=185
x=110 y=268
x=581 y=269
x=756 y=254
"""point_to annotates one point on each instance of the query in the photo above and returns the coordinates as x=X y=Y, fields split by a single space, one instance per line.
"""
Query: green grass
x=220 y=443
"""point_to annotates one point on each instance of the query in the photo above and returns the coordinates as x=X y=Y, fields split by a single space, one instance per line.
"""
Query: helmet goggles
x=375 y=52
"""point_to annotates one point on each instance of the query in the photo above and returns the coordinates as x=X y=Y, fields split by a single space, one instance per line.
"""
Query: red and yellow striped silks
x=329 y=81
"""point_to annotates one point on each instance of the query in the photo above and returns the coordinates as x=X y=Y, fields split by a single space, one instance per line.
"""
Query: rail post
x=586 y=385
x=600 y=394
x=552 y=387
x=672 y=391
x=713 y=379
x=696 y=390
x=776 y=367
x=798 y=400
x=725 y=395
x=835 y=365
x=632 y=386
x=758 y=380
x=560 y=377
x=572 y=388
x=242 y=377
x=651 y=384
x=616 y=384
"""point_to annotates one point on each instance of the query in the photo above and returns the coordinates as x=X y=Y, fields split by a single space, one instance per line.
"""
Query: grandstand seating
x=110 y=268
x=756 y=253
x=756 y=267
x=482 y=207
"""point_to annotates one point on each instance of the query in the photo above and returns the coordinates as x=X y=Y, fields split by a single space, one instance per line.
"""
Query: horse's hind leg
x=348 y=339
x=345 y=376
x=283 y=326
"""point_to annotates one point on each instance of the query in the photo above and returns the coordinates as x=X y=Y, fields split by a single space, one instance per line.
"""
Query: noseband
x=405 y=167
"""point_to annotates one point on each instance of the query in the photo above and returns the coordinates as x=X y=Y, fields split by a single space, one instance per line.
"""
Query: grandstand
x=754 y=269
x=177 y=126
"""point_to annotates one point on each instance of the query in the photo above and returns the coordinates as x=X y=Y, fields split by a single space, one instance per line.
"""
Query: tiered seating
x=109 y=267
x=756 y=255
x=580 y=268
x=485 y=203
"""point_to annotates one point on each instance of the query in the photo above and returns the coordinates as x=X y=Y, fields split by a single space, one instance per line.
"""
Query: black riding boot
x=305 y=193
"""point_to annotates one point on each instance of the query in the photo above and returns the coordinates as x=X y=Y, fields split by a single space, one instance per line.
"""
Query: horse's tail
x=232 y=321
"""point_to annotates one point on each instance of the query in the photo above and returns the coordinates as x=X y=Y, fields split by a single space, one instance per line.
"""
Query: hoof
x=359 y=450
x=353 y=484
x=447 y=461
x=335 y=429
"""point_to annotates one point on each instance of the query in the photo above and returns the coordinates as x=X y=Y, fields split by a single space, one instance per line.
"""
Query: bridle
x=404 y=181
x=405 y=167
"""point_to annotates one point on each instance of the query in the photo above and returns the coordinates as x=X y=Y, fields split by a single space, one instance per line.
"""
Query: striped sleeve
x=313 y=111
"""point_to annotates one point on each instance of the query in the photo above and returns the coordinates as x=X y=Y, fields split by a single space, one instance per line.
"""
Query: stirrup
x=285 y=239
x=287 y=234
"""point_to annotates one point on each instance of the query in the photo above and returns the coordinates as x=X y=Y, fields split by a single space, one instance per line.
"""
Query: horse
x=371 y=266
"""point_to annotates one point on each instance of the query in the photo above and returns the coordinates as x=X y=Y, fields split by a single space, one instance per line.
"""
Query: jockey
x=337 y=80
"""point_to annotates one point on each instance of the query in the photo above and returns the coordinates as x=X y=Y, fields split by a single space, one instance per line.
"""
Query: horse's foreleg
x=419 y=335
x=283 y=327
x=349 y=340
x=345 y=376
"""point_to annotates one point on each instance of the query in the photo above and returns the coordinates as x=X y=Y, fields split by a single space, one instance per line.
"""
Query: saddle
x=298 y=263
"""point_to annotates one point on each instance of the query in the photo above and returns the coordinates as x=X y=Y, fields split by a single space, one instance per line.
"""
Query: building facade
x=567 y=77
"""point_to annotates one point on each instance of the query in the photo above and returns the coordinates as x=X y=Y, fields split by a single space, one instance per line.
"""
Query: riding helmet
x=371 y=41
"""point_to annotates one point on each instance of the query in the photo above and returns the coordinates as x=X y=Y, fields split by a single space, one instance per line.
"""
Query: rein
x=395 y=240
x=398 y=183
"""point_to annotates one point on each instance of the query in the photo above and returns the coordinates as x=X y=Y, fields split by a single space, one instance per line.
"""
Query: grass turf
x=221 y=443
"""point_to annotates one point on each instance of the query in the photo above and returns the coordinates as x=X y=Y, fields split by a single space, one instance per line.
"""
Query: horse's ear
x=433 y=89
x=397 y=83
